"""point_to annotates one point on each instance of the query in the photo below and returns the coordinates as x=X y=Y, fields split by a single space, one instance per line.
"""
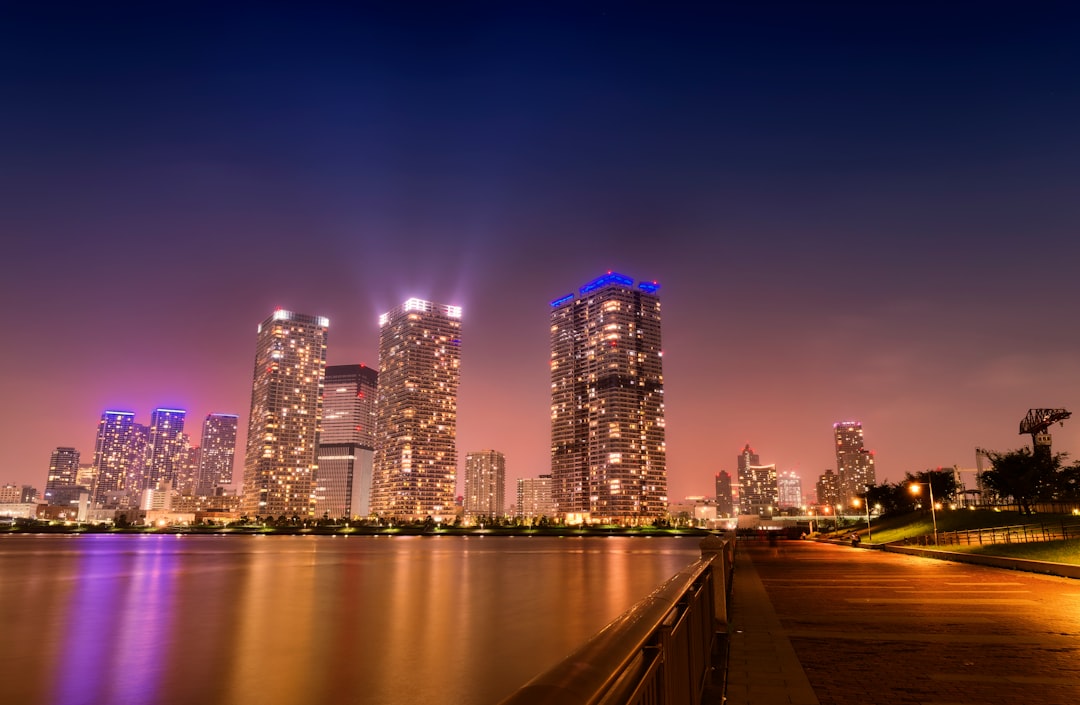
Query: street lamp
x=856 y=501
x=933 y=512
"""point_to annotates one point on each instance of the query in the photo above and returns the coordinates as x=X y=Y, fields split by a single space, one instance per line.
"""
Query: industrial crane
x=1036 y=422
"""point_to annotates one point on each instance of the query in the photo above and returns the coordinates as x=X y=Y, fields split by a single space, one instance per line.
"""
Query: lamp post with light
x=933 y=512
x=856 y=501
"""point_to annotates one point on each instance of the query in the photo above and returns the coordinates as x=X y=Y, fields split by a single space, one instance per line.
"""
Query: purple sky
x=855 y=212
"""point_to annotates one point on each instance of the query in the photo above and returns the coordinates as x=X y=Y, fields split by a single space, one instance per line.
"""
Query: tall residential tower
x=218 y=452
x=854 y=464
x=485 y=484
x=118 y=454
x=286 y=411
x=165 y=448
x=608 y=455
x=415 y=474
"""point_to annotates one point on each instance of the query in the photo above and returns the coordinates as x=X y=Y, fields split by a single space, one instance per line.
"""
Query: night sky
x=862 y=211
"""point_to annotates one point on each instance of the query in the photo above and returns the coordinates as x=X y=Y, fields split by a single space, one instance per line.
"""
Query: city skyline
x=849 y=209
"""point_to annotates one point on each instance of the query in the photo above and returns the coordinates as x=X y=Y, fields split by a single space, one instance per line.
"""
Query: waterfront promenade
x=823 y=624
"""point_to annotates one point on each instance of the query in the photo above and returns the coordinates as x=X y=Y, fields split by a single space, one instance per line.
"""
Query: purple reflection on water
x=116 y=629
x=134 y=620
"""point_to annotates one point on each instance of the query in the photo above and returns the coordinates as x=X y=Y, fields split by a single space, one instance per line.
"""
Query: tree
x=1068 y=483
x=1024 y=477
x=943 y=483
x=892 y=498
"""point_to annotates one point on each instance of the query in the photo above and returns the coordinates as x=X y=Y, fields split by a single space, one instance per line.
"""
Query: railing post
x=722 y=551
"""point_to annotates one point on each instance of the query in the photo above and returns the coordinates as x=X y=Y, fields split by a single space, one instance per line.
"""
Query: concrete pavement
x=821 y=624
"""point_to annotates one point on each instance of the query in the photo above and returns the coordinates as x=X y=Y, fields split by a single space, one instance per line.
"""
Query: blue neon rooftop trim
x=609 y=278
x=120 y=413
x=561 y=300
x=649 y=287
x=173 y=411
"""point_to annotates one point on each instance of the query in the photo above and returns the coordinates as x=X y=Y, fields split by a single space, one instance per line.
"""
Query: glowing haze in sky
x=862 y=211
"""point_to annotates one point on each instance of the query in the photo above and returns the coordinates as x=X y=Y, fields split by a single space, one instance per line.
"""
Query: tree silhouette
x=1023 y=476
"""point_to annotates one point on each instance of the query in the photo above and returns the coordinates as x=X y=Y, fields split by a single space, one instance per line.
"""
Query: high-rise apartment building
x=724 y=505
x=608 y=454
x=415 y=474
x=217 y=452
x=347 y=443
x=746 y=459
x=828 y=490
x=118 y=455
x=534 y=500
x=186 y=468
x=349 y=405
x=854 y=464
x=789 y=487
x=63 y=474
x=485 y=484
x=758 y=491
x=165 y=448
x=286 y=412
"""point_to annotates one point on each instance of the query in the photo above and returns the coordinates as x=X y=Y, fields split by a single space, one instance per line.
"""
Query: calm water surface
x=267 y=620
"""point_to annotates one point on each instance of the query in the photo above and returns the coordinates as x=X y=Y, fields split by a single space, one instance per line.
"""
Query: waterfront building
x=286 y=412
x=61 y=484
x=217 y=452
x=349 y=405
x=187 y=466
x=415 y=473
x=854 y=464
x=10 y=494
x=164 y=448
x=608 y=455
x=789 y=490
x=347 y=443
x=724 y=504
x=534 y=499
x=485 y=484
x=118 y=455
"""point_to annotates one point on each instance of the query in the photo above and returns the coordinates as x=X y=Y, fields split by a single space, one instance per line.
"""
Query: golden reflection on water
x=282 y=619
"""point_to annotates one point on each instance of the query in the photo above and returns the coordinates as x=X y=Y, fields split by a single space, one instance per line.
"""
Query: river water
x=269 y=620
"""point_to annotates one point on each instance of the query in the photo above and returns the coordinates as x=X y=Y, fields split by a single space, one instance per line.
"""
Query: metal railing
x=662 y=651
x=1019 y=533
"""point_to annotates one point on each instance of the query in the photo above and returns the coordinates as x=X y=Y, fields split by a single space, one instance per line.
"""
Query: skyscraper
x=63 y=471
x=485 y=484
x=758 y=492
x=724 y=505
x=828 y=492
x=347 y=443
x=286 y=411
x=415 y=474
x=117 y=454
x=165 y=448
x=854 y=464
x=608 y=455
x=789 y=485
x=218 y=451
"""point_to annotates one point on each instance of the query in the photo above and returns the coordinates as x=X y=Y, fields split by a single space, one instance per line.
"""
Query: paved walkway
x=820 y=624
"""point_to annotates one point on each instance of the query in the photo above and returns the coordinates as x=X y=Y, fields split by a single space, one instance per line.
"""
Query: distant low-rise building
x=534 y=499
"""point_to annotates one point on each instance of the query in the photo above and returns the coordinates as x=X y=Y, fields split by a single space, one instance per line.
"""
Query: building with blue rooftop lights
x=608 y=455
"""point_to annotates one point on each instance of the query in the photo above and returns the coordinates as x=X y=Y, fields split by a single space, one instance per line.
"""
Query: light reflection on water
x=141 y=620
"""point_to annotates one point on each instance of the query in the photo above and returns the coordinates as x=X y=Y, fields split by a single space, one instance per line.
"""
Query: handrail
x=597 y=671
x=1023 y=533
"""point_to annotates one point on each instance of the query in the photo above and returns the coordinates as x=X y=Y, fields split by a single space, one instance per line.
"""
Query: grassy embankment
x=919 y=524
